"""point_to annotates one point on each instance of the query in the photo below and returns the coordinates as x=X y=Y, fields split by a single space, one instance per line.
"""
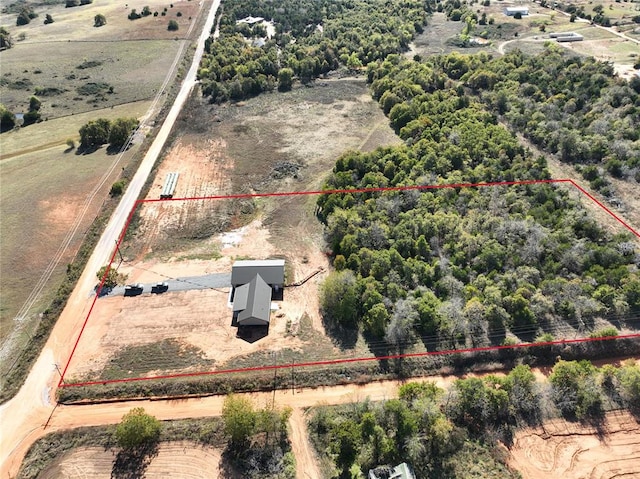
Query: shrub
x=117 y=188
x=608 y=332
x=173 y=26
x=136 y=429
x=99 y=20
x=23 y=19
x=48 y=19
x=7 y=119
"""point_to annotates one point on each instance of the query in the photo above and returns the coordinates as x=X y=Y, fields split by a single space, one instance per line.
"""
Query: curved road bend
x=23 y=417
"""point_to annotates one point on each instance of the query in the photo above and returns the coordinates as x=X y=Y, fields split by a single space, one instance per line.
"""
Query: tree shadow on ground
x=115 y=150
x=133 y=463
x=86 y=149
x=344 y=338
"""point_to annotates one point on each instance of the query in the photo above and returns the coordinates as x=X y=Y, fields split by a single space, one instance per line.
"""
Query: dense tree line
x=573 y=107
x=462 y=266
x=311 y=38
x=452 y=434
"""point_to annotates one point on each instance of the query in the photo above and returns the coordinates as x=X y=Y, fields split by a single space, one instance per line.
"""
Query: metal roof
x=258 y=302
x=271 y=271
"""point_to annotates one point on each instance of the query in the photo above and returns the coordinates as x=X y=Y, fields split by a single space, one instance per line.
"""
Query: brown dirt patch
x=174 y=459
x=566 y=450
x=306 y=463
x=196 y=318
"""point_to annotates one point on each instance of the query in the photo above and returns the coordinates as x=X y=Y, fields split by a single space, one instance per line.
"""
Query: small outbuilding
x=574 y=37
x=401 y=471
x=512 y=11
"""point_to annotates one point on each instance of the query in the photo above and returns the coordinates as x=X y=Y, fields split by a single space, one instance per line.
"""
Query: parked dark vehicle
x=159 y=288
x=133 y=289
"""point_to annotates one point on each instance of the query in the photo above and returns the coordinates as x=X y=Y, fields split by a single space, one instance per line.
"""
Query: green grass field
x=80 y=73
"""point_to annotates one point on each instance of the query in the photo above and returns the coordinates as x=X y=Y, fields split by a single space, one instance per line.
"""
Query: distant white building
x=511 y=11
x=401 y=471
x=574 y=37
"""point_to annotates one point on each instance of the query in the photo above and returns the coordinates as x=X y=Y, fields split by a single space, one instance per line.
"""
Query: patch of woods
x=572 y=107
x=459 y=433
x=254 y=441
x=468 y=267
x=116 y=133
x=311 y=38
x=454 y=433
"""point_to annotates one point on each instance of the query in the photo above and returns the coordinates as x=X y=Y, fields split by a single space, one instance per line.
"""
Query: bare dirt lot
x=174 y=459
x=565 y=450
x=267 y=147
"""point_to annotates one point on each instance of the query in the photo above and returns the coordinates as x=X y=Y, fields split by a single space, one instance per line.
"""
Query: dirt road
x=68 y=417
x=26 y=413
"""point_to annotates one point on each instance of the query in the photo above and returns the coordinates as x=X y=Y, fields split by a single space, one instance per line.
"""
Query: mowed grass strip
x=54 y=133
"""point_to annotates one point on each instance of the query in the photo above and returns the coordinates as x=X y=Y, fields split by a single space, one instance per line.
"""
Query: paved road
x=208 y=281
x=22 y=418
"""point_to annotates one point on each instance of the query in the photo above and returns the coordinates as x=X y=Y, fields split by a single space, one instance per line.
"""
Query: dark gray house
x=254 y=283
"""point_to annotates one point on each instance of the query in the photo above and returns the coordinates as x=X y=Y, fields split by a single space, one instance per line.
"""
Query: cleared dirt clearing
x=175 y=459
x=565 y=450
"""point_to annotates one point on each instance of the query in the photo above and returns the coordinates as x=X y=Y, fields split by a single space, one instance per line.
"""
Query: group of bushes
x=101 y=131
x=448 y=434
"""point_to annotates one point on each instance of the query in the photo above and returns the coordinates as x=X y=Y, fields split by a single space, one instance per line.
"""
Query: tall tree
x=120 y=131
x=137 y=428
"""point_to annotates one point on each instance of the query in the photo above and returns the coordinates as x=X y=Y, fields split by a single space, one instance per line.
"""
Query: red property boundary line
x=61 y=383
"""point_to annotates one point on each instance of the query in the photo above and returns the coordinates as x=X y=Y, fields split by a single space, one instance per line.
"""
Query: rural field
x=187 y=239
x=51 y=194
x=289 y=142
x=257 y=146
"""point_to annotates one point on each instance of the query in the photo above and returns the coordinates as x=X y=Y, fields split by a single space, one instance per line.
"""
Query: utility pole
x=119 y=253
x=59 y=372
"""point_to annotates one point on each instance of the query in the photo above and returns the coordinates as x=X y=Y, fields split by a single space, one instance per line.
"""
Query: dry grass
x=309 y=127
x=133 y=57
x=128 y=71
x=54 y=133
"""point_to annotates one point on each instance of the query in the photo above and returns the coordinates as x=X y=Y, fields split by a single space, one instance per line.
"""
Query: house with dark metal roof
x=252 y=302
x=253 y=285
